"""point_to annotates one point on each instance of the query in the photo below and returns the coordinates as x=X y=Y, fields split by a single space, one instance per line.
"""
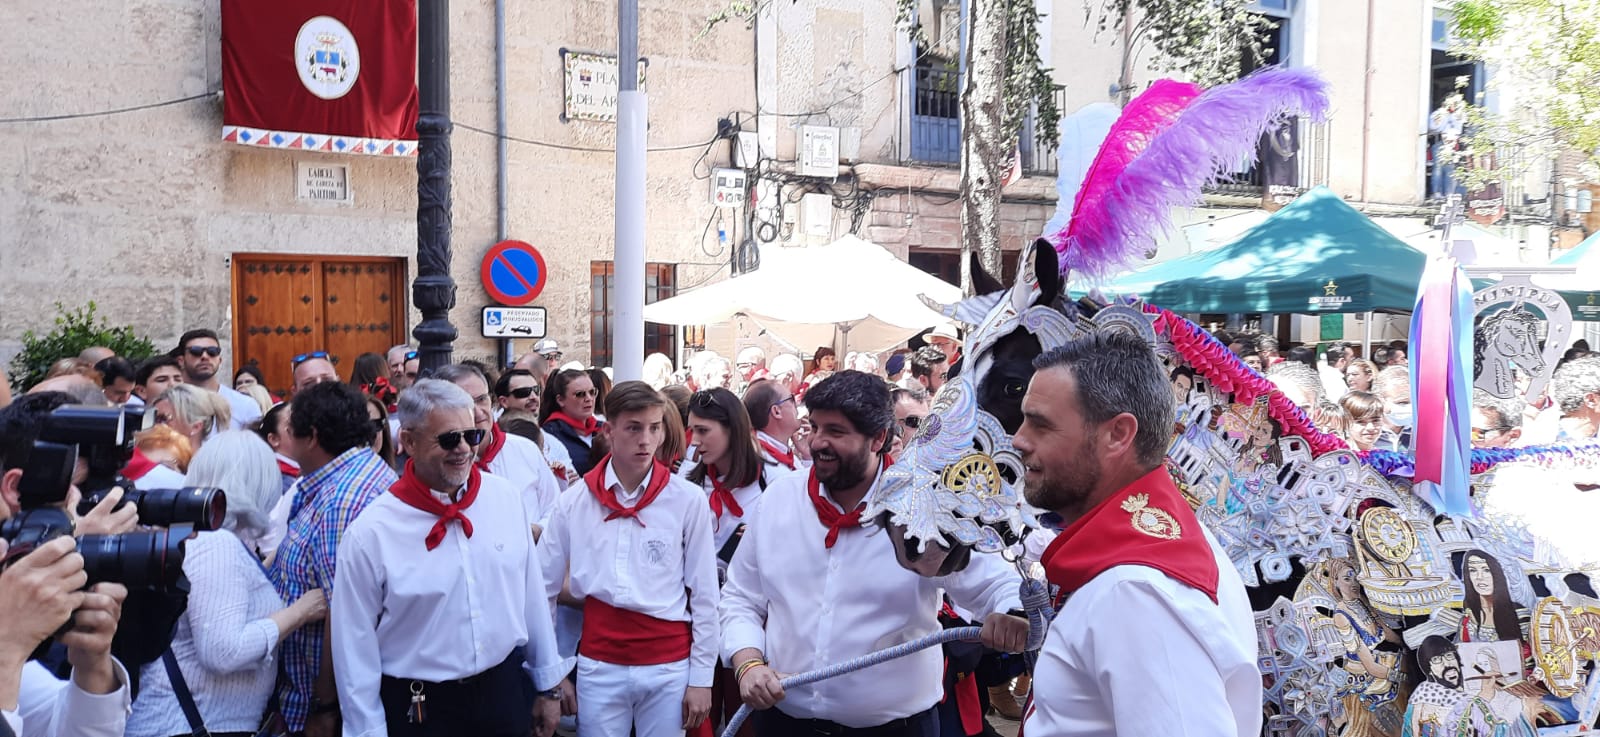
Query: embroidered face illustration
x=655 y=553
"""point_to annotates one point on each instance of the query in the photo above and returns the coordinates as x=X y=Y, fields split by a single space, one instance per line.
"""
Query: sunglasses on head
x=411 y=355
x=449 y=440
x=702 y=398
x=524 y=392
x=207 y=350
x=302 y=358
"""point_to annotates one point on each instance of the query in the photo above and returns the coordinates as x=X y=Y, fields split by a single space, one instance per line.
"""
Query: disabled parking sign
x=513 y=322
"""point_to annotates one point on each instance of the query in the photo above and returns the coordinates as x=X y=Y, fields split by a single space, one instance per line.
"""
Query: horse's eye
x=1015 y=390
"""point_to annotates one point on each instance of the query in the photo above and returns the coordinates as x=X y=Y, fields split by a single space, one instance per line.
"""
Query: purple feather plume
x=1216 y=134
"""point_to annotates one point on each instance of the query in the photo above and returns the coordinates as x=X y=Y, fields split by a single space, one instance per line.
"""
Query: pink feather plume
x=1148 y=114
x=1219 y=132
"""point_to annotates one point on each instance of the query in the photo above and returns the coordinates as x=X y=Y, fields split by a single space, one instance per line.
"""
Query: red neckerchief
x=414 y=493
x=139 y=464
x=722 y=496
x=828 y=514
x=596 y=480
x=1147 y=523
x=585 y=428
x=778 y=454
x=486 y=454
x=288 y=469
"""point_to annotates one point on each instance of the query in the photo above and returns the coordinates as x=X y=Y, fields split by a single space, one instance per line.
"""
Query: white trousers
x=648 y=698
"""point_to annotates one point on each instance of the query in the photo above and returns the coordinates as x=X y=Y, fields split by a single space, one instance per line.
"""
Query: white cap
x=944 y=330
x=546 y=346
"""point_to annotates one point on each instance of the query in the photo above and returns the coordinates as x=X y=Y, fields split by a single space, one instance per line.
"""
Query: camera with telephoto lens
x=103 y=438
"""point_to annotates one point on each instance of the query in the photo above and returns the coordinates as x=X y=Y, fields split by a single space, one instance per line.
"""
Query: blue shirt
x=328 y=501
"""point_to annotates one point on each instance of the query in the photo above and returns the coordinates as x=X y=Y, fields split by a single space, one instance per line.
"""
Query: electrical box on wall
x=816 y=214
x=728 y=187
x=748 y=152
x=819 y=151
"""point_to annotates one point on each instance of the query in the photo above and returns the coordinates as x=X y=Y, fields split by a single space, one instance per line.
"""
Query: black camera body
x=145 y=560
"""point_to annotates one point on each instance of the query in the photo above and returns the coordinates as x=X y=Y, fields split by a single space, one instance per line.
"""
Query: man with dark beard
x=1433 y=701
x=808 y=588
x=1153 y=629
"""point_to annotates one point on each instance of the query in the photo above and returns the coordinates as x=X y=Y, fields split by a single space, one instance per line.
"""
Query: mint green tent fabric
x=1316 y=255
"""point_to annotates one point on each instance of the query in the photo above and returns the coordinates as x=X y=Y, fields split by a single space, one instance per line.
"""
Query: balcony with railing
x=935 y=131
x=1290 y=159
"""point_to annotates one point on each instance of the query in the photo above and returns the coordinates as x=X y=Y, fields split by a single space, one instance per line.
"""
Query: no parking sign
x=513 y=273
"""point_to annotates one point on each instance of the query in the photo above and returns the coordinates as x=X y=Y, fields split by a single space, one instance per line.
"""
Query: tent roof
x=1315 y=255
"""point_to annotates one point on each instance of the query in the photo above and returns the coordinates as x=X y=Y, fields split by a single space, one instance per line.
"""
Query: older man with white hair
x=787 y=369
x=708 y=370
x=447 y=543
x=751 y=363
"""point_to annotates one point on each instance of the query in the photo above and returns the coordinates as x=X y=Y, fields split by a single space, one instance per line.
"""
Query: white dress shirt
x=775 y=467
x=727 y=523
x=245 y=411
x=806 y=606
x=1137 y=653
x=225 y=644
x=664 y=568
x=522 y=463
x=278 y=522
x=50 y=707
x=458 y=610
x=1332 y=382
x=159 y=477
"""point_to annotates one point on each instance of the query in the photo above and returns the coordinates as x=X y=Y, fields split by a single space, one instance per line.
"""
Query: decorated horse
x=1371 y=603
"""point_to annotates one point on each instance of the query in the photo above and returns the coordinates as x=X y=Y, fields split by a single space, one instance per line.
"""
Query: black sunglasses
x=912 y=421
x=524 y=392
x=209 y=350
x=379 y=426
x=702 y=398
x=449 y=440
x=302 y=358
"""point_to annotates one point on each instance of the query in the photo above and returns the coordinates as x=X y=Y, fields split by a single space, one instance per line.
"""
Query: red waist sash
x=625 y=637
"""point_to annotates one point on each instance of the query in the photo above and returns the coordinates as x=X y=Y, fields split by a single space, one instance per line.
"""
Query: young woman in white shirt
x=731 y=471
x=226 y=642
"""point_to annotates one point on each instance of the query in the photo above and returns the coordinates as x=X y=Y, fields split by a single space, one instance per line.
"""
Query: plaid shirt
x=328 y=501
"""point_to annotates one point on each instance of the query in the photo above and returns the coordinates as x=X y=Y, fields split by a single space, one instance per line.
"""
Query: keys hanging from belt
x=415 y=715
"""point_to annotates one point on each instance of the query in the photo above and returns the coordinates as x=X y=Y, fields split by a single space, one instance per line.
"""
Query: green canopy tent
x=1317 y=255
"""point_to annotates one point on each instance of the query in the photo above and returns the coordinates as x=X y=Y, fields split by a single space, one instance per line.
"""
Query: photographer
x=39 y=592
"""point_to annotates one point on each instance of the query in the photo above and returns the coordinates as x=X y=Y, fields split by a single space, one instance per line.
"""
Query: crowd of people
x=515 y=547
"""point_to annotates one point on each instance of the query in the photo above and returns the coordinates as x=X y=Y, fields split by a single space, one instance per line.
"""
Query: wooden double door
x=285 y=305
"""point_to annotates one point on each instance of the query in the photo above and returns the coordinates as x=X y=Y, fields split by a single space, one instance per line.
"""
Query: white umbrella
x=802 y=296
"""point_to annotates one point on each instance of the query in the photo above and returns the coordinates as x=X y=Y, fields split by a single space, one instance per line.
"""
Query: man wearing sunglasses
x=775 y=419
x=910 y=408
x=403 y=365
x=513 y=458
x=330 y=436
x=199 y=355
x=447 y=544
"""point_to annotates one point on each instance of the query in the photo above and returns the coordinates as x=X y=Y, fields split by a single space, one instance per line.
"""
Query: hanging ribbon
x=1441 y=341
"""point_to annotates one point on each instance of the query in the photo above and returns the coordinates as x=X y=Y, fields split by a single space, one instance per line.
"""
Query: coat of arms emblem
x=327 y=58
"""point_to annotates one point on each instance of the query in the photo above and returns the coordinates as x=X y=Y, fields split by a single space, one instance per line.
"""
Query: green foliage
x=1209 y=41
x=75 y=330
x=1028 y=81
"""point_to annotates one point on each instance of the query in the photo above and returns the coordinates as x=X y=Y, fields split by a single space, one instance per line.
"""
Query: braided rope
x=955 y=634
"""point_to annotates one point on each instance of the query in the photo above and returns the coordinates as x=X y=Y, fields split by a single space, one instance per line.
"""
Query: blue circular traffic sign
x=513 y=273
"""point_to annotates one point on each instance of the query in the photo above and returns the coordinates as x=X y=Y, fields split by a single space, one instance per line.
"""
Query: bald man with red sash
x=1153 y=633
x=634 y=544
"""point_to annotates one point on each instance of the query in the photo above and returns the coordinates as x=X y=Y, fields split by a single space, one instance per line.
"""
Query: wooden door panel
x=288 y=305
x=358 y=310
x=275 y=315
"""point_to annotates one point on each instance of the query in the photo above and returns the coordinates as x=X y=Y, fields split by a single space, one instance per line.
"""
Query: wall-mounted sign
x=591 y=82
x=322 y=182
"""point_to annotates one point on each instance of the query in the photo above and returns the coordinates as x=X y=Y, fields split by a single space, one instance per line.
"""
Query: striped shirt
x=328 y=500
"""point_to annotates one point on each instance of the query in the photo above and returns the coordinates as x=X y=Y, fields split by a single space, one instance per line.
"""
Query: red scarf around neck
x=781 y=455
x=828 y=514
x=595 y=479
x=418 y=495
x=1147 y=523
x=722 y=496
x=586 y=428
x=288 y=469
x=139 y=464
x=487 y=453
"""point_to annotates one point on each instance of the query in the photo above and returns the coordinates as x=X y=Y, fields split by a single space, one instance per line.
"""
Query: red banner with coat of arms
x=322 y=75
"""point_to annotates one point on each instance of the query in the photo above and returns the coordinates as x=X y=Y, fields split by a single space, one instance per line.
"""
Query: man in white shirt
x=634 y=544
x=809 y=588
x=514 y=458
x=1335 y=360
x=1153 y=630
x=199 y=355
x=775 y=419
x=443 y=626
